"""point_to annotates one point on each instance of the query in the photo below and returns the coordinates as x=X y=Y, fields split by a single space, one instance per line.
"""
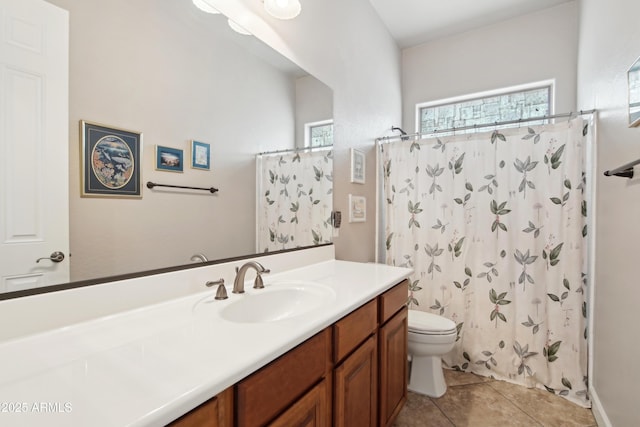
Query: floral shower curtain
x=295 y=199
x=494 y=225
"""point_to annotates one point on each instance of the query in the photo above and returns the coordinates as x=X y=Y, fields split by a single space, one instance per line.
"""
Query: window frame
x=550 y=84
x=310 y=125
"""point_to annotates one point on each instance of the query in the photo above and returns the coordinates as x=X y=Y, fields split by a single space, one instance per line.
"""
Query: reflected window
x=489 y=107
x=318 y=134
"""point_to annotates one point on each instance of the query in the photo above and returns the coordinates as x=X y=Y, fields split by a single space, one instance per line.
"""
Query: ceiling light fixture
x=205 y=7
x=283 y=9
x=237 y=28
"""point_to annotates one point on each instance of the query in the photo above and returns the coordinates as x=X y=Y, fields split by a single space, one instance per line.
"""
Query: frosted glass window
x=535 y=102
x=319 y=134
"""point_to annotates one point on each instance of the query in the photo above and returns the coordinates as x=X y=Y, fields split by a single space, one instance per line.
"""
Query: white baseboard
x=598 y=411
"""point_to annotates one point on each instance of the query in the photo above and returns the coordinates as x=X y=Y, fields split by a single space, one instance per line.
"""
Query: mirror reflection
x=634 y=93
x=175 y=74
x=295 y=199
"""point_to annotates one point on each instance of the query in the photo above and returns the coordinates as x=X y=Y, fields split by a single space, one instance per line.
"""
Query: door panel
x=34 y=152
x=393 y=367
x=355 y=392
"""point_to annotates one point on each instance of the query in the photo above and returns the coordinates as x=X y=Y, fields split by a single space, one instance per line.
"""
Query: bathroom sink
x=278 y=301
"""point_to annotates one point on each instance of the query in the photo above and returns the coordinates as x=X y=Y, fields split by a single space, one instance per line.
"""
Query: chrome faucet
x=238 y=282
x=199 y=257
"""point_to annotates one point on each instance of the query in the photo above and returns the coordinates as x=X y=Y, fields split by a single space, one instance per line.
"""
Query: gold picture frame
x=111 y=161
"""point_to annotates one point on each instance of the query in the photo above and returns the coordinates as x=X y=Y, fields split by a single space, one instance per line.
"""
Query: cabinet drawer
x=393 y=300
x=266 y=393
x=353 y=329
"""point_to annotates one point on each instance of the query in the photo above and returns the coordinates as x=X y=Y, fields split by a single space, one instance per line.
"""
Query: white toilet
x=430 y=336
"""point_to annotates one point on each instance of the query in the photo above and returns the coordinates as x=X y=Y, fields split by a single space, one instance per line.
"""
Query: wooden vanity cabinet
x=370 y=353
x=353 y=373
x=356 y=387
x=392 y=339
x=355 y=349
x=267 y=393
x=312 y=410
x=216 y=412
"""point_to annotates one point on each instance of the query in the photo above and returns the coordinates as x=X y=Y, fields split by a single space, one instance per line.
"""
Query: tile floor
x=474 y=401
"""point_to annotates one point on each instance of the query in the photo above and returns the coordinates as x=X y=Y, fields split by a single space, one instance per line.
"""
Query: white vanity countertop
x=150 y=365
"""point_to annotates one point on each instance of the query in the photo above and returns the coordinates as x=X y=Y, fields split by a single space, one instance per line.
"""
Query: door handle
x=57 y=256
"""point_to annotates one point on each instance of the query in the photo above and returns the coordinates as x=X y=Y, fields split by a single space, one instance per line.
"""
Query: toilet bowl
x=430 y=336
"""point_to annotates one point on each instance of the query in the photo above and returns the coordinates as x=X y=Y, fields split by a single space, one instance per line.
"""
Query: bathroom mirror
x=633 y=77
x=176 y=74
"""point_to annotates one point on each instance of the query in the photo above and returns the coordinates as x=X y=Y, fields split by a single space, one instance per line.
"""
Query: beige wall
x=609 y=44
x=345 y=45
x=142 y=65
x=534 y=47
x=314 y=102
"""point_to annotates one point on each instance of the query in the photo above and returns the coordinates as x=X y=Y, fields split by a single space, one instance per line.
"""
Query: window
x=318 y=134
x=513 y=103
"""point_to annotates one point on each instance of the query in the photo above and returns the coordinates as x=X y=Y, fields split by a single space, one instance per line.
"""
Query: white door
x=34 y=144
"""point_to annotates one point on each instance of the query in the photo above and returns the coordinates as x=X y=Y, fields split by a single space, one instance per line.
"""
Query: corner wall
x=314 y=102
x=609 y=44
x=344 y=44
x=534 y=47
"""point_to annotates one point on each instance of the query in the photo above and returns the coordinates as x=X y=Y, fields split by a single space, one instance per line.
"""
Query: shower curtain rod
x=505 y=122
x=293 y=150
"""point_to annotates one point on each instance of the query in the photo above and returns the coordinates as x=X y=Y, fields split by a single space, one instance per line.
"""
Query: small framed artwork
x=169 y=159
x=357 y=208
x=200 y=155
x=110 y=161
x=357 y=166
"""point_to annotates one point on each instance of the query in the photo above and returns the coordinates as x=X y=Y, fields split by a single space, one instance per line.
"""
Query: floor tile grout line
x=502 y=395
x=532 y=416
x=476 y=382
x=457 y=386
x=444 y=414
x=517 y=406
x=493 y=381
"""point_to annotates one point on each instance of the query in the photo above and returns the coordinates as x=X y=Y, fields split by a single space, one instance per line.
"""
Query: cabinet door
x=312 y=410
x=355 y=392
x=216 y=412
x=393 y=367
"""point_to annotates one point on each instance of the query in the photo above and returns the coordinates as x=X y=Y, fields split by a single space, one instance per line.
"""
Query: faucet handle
x=258 y=282
x=215 y=282
x=221 y=293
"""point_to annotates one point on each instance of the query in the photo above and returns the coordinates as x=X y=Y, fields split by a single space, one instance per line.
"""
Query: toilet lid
x=422 y=322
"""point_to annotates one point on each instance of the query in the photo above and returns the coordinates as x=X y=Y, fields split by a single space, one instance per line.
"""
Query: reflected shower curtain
x=295 y=199
x=494 y=225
